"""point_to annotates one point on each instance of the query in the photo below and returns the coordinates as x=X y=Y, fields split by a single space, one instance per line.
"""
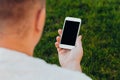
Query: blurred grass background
x=100 y=30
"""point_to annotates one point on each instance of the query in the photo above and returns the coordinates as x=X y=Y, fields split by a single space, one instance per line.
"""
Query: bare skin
x=70 y=59
x=27 y=42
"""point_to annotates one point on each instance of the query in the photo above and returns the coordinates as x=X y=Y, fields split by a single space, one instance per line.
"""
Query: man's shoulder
x=30 y=68
x=52 y=71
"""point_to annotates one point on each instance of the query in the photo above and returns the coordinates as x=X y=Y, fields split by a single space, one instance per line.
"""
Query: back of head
x=15 y=13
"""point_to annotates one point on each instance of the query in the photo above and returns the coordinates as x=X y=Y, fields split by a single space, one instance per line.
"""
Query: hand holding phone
x=70 y=58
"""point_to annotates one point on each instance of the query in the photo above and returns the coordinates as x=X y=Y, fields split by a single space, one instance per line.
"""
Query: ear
x=40 y=20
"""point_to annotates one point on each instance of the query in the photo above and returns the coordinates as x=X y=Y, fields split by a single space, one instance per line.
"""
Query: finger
x=59 y=50
x=60 y=32
x=63 y=51
x=57 y=45
x=58 y=39
x=79 y=42
x=80 y=37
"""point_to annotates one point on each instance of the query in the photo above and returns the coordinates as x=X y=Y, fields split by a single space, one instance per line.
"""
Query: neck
x=17 y=45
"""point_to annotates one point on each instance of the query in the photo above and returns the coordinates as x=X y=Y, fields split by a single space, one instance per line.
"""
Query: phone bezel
x=70 y=19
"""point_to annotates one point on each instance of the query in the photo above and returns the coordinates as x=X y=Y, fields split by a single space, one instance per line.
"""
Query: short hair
x=17 y=10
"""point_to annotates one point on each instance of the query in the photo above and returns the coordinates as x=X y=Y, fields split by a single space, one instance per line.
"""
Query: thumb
x=79 y=42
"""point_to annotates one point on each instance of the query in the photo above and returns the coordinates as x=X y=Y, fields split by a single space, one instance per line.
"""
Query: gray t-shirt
x=18 y=66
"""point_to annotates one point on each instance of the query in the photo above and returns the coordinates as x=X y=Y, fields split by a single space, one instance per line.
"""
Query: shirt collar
x=8 y=53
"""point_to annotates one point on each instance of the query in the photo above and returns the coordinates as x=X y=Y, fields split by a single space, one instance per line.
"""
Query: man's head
x=21 y=20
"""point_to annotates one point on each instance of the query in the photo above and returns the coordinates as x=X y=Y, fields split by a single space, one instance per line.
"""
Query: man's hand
x=70 y=59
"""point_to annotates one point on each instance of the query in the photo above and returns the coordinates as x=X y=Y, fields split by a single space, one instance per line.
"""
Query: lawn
x=100 y=30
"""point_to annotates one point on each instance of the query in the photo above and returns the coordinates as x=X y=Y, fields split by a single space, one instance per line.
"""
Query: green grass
x=100 y=30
